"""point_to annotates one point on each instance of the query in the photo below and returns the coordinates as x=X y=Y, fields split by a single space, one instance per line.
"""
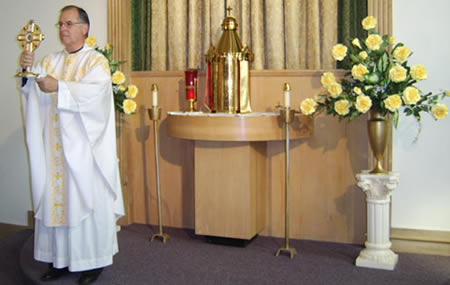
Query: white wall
x=422 y=200
x=15 y=199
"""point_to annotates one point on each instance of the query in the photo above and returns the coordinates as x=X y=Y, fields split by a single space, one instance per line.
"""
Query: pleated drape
x=351 y=13
x=283 y=34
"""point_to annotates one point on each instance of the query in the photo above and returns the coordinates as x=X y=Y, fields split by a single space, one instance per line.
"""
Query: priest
x=70 y=134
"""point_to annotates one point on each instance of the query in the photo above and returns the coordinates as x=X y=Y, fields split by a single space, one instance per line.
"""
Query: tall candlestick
x=287 y=95
x=154 y=95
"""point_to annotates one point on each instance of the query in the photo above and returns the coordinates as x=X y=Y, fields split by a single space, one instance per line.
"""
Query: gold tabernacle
x=228 y=72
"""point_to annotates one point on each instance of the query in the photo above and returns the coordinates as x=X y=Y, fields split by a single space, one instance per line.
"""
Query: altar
x=230 y=164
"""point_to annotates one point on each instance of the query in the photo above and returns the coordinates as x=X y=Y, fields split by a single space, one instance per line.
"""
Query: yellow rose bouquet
x=123 y=96
x=378 y=78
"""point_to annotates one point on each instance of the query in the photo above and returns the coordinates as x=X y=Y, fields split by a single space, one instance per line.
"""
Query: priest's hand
x=26 y=59
x=47 y=84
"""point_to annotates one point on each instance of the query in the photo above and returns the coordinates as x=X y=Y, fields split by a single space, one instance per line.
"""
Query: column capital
x=377 y=186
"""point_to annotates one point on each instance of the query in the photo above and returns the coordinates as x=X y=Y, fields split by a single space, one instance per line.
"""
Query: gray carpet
x=189 y=259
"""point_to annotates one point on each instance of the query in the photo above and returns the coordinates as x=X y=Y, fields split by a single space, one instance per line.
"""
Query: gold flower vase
x=378 y=129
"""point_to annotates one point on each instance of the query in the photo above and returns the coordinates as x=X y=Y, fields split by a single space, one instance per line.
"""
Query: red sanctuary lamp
x=191 y=82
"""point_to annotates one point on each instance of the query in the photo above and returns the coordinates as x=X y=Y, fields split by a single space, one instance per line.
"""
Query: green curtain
x=350 y=15
x=141 y=34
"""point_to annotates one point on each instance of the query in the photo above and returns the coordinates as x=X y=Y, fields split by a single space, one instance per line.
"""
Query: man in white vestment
x=70 y=133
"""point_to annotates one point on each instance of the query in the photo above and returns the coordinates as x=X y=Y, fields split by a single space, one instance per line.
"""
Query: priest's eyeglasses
x=68 y=24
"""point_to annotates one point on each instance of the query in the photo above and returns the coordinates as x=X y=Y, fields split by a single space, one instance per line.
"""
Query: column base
x=379 y=259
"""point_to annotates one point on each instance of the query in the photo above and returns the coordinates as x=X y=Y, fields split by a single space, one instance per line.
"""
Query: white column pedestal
x=378 y=188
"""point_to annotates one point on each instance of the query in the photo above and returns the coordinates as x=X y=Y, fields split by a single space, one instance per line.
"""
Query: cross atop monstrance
x=229 y=10
x=29 y=37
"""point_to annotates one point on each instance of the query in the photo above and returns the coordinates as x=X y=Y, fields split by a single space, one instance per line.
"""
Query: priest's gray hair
x=83 y=15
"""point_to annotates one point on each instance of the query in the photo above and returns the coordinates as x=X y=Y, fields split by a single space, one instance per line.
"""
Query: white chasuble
x=75 y=179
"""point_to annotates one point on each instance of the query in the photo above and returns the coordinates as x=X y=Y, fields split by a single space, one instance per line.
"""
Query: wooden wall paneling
x=176 y=156
x=326 y=204
x=119 y=31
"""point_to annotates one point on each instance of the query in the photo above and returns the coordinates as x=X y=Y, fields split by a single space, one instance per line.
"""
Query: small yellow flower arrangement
x=123 y=96
x=379 y=79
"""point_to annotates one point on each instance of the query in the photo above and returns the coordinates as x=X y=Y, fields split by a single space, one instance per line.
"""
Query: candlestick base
x=191 y=105
x=292 y=251
x=154 y=113
x=162 y=236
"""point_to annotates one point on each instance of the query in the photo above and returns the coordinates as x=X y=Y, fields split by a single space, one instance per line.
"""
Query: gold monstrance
x=30 y=37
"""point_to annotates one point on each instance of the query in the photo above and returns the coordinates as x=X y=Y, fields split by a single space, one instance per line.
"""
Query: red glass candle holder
x=191 y=87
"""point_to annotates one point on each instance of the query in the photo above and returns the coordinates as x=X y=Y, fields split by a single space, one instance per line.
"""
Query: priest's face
x=72 y=32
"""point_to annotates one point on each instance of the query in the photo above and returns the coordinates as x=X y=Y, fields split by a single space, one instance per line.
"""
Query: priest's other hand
x=26 y=59
x=47 y=84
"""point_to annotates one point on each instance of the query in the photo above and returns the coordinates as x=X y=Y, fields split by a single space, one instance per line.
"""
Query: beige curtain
x=283 y=34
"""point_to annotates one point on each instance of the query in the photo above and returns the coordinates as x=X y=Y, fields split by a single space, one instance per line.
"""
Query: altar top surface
x=235 y=127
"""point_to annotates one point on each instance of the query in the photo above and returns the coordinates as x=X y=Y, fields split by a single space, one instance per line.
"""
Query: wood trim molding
x=119 y=32
x=119 y=36
x=421 y=241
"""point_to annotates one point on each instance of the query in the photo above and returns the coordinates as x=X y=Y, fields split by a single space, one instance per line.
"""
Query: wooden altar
x=231 y=167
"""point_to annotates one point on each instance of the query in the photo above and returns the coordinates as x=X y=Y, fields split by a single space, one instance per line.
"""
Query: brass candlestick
x=155 y=114
x=29 y=37
x=287 y=116
x=191 y=105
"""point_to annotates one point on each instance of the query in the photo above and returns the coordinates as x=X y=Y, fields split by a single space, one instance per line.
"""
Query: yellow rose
x=122 y=88
x=374 y=41
x=326 y=79
x=363 y=103
x=391 y=41
x=132 y=91
x=358 y=71
x=357 y=90
x=342 y=107
x=334 y=89
x=118 y=77
x=369 y=22
x=363 y=54
x=308 y=106
x=129 y=106
x=447 y=92
x=439 y=111
x=418 y=72
x=91 y=41
x=397 y=73
x=107 y=47
x=356 y=43
x=393 y=102
x=411 y=95
x=339 y=52
x=402 y=53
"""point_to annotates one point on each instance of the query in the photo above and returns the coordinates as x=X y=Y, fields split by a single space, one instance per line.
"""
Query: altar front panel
x=325 y=202
x=230 y=188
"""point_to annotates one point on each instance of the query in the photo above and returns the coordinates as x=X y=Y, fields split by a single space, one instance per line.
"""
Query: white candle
x=154 y=95
x=287 y=95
